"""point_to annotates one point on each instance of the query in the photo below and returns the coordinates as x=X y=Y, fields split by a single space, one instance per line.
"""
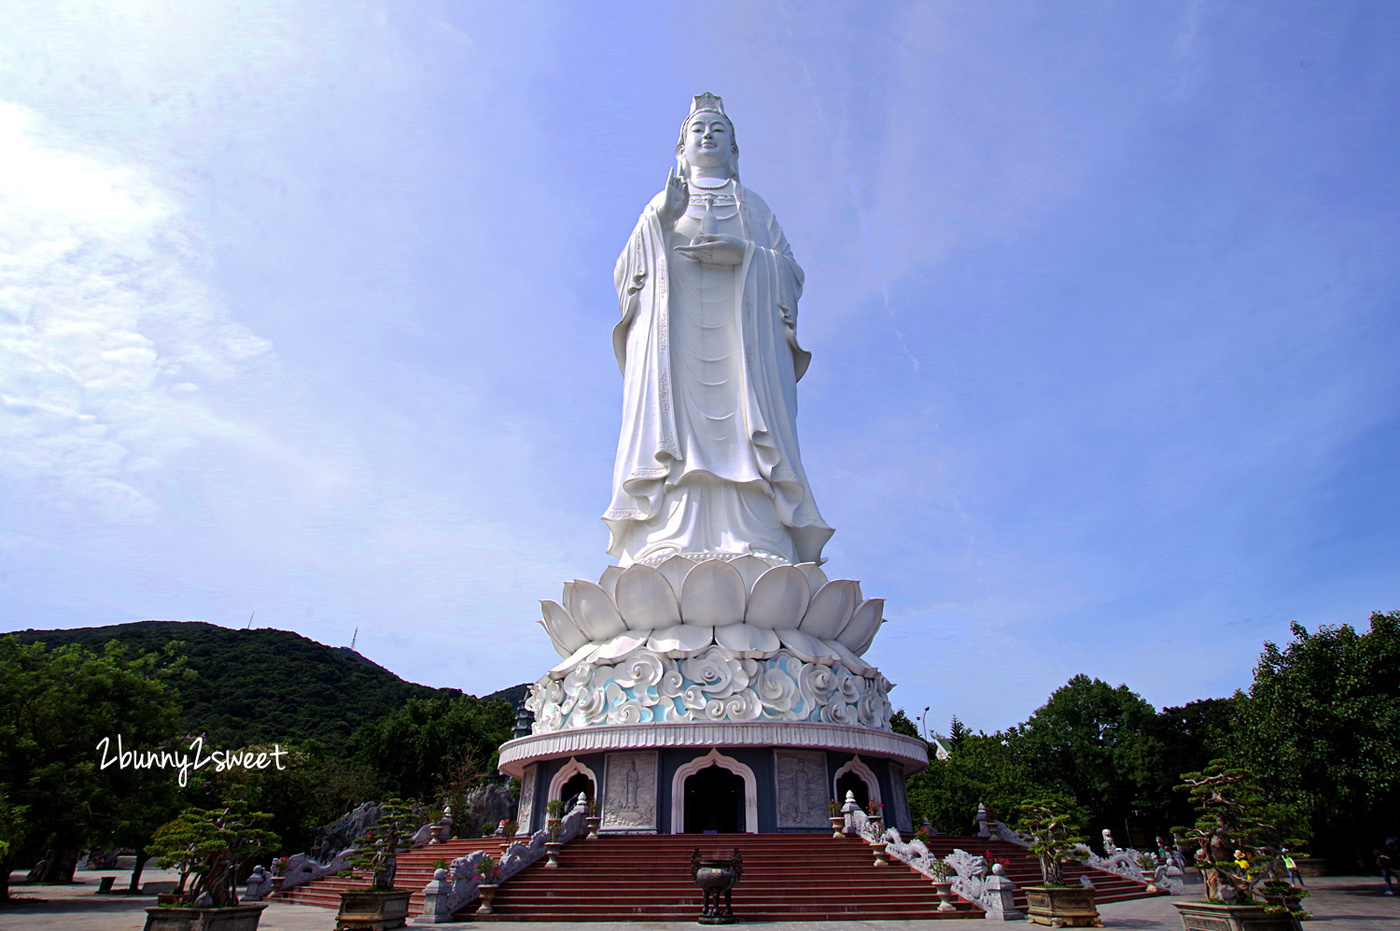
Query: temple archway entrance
x=705 y=805
x=576 y=784
x=852 y=782
x=714 y=802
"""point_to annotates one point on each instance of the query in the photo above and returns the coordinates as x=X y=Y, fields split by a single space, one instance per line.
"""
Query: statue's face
x=708 y=141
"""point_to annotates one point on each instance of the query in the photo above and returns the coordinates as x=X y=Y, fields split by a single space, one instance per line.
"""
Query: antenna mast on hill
x=352 y=639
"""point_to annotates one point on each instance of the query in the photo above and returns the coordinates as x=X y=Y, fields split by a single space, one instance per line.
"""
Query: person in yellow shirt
x=1291 y=865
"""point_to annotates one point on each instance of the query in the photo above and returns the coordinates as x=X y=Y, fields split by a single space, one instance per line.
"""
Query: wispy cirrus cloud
x=107 y=332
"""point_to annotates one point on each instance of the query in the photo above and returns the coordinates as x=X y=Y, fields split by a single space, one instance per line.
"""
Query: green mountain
x=264 y=685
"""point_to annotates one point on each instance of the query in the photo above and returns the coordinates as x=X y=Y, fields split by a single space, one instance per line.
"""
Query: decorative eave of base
x=912 y=754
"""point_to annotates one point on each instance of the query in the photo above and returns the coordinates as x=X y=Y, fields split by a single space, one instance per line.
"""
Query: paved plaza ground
x=1338 y=903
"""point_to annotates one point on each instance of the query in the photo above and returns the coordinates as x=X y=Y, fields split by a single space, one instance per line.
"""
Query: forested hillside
x=264 y=685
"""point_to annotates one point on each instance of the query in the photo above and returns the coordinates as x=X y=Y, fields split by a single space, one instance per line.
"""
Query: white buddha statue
x=707 y=462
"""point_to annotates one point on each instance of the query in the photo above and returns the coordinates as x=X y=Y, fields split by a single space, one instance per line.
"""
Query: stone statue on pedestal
x=718 y=609
x=707 y=461
x=716 y=661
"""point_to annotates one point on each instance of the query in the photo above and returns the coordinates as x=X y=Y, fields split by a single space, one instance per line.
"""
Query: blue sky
x=305 y=310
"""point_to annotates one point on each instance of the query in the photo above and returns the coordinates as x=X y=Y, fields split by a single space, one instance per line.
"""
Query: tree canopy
x=55 y=707
x=1321 y=728
x=1102 y=749
x=411 y=748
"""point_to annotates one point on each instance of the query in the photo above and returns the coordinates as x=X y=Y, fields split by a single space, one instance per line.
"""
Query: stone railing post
x=850 y=809
x=259 y=885
x=999 y=897
x=437 y=900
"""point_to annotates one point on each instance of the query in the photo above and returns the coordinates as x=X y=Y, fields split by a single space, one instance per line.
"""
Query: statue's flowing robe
x=662 y=456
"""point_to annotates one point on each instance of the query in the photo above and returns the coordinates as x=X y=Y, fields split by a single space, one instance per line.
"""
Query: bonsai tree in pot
x=378 y=857
x=554 y=811
x=1237 y=836
x=1054 y=841
x=208 y=847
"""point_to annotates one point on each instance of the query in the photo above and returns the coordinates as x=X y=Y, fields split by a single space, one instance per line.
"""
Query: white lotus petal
x=675 y=569
x=568 y=592
x=608 y=581
x=863 y=625
x=750 y=567
x=816 y=578
x=830 y=609
x=807 y=649
x=681 y=640
x=563 y=632
x=779 y=599
x=747 y=642
x=713 y=595
x=578 y=656
x=618 y=647
x=646 y=600
x=854 y=663
x=593 y=611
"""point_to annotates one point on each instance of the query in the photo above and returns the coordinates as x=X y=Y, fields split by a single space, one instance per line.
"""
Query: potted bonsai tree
x=1055 y=840
x=554 y=811
x=552 y=845
x=380 y=905
x=1238 y=834
x=208 y=847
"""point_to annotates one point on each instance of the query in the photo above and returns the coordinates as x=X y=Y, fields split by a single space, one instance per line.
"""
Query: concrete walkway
x=1338 y=903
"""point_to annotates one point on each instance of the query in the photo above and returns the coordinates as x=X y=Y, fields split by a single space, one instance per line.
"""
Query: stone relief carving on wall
x=527 y=799
x=902 y=819
x=629 y=792
x=802 y=795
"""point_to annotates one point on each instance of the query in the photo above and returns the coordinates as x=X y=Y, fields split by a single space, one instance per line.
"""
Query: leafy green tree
x=1321 y=728
x=11 y=825
x=413 y=748
x=1176 y=741
x=985 y=768
x=55 y=707
x=1086 y=741
x=900 y=724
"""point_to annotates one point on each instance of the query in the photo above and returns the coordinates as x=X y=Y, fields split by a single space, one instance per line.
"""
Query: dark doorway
x=714 y=802
x=578 y=783
x=850 y=782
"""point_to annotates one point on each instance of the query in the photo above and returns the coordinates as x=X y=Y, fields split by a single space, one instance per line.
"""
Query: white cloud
x=106 y=330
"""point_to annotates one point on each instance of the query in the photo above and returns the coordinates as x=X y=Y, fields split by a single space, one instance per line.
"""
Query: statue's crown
x=707 y=101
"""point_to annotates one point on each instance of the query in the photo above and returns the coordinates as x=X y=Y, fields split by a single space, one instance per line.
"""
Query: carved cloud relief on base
x=714 y=685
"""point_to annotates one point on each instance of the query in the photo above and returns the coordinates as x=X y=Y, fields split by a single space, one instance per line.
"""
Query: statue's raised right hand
x=677 y=198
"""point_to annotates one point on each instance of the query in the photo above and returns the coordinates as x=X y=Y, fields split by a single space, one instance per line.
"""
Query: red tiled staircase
x=415 y=870
x=647 y=877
